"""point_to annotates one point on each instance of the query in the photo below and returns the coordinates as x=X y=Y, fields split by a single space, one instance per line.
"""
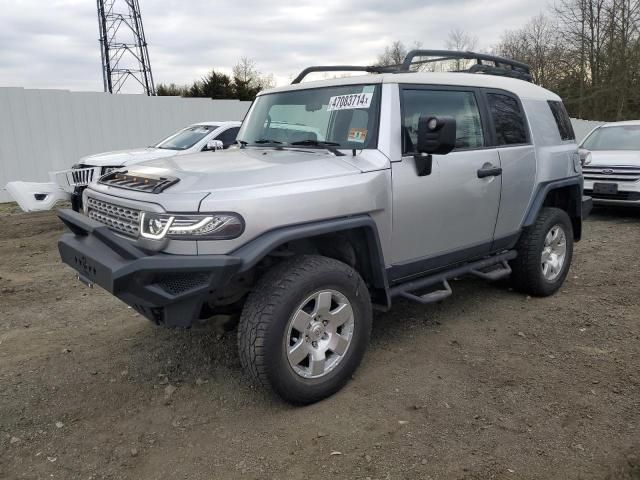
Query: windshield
x=186 y=138
x=344 y=116
x=623 y=137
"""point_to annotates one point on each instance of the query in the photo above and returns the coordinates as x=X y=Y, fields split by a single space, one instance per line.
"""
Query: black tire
x=265 y=318
x=527 y=267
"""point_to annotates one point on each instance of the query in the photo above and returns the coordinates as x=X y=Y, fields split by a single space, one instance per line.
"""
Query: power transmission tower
x=125 y=57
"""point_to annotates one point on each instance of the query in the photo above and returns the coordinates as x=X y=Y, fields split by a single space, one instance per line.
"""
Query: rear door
x=450 y=215
x=518 y=161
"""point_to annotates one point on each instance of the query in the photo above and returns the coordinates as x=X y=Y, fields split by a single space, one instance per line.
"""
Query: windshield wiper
x=318 y=143
x=267 y=140
x=242 y=143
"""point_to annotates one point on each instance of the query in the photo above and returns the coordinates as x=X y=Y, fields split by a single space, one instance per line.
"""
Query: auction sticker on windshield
x=357 y=135
x=346 y=102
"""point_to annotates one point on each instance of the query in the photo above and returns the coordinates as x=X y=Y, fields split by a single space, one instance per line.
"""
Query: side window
x=440 y=103
x=508 y=119
x=228 y=137
x=562 y=120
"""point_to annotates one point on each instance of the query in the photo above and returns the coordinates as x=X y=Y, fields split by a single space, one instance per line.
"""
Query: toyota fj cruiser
x=341 y=196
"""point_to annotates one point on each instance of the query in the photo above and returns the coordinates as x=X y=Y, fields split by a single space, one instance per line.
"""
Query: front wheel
x=545 y=251
x=305 y=327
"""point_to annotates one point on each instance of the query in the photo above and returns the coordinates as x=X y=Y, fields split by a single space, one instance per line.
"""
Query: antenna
x=123 y=46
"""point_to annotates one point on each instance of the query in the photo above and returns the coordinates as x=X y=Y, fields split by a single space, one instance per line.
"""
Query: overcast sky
x=54 y=43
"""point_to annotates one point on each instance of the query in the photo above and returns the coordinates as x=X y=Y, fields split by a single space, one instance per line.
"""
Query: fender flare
x=255 y=250
x=544 y=189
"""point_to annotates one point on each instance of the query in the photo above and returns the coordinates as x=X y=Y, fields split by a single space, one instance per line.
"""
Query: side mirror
x=585 y=156
x=436 y=135
x=214 y=145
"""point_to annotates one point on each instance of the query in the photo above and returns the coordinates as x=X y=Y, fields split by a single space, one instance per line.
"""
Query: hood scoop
x=140 y=183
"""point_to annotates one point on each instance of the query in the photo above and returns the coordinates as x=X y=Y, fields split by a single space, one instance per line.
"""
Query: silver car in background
x=611 y=157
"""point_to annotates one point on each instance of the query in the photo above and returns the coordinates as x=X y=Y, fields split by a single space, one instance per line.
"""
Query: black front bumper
x=167 y=289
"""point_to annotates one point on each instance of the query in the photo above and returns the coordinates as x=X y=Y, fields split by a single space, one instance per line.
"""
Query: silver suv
x=342 y=196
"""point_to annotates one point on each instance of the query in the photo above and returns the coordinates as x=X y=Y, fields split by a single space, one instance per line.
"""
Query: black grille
x=629 y=196
x=178 y=283
x=131 y=181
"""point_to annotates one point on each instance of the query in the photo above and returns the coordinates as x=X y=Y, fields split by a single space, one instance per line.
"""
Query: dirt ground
x=488 y=384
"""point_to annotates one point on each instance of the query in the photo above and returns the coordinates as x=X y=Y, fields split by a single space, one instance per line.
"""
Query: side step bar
x=431 y=297
x=474 y=268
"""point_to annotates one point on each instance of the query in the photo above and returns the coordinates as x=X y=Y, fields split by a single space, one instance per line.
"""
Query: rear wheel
x=305 y=327
x=545 y=251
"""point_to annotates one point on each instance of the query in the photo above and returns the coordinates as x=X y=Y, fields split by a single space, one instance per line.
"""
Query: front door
x=450 y=215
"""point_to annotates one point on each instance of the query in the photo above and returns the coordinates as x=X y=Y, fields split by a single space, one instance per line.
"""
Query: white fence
x=583 y=127
x=46 y=130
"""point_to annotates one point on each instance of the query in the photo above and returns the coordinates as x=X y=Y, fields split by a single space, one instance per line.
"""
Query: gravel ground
x=488 y=384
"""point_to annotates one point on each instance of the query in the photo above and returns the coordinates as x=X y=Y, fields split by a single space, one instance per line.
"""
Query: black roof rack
x=343 y=68
x=486 y=64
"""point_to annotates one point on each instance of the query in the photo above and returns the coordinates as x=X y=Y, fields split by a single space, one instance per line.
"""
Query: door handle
x=489 y=171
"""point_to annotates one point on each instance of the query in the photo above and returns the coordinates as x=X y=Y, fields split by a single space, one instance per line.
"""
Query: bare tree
x=248 y=81
x=589 y=53
x=393 y=54
x=460 y=40
x=538 y=44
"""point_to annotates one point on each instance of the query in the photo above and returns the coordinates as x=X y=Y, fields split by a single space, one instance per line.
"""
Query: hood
x=612 y=158
x=120 y=158
x=242 y=168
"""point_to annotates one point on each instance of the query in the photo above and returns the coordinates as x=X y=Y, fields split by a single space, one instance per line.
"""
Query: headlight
x=215 y=226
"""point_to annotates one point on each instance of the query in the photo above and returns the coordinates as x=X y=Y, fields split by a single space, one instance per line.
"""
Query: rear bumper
x=168 y=289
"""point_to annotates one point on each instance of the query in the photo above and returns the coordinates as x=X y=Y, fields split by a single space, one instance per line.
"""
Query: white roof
x=523 y=89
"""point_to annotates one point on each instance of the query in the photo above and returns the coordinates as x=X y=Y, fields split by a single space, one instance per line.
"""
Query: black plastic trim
x=506 y=242
x=401 y=272
x=543 y=190
x=255 y=250
x=442 y=277
x=423 y=266
x=134 y=276
x=587 y=206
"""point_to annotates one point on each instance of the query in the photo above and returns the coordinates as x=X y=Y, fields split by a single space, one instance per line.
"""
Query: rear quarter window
x=562 y=119
x=508 y=119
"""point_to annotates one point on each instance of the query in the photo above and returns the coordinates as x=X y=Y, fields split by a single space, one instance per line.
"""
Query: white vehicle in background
x=68 y=185
x=611 y=158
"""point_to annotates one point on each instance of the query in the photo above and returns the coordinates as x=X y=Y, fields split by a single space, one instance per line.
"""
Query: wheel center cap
x=316 y=330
